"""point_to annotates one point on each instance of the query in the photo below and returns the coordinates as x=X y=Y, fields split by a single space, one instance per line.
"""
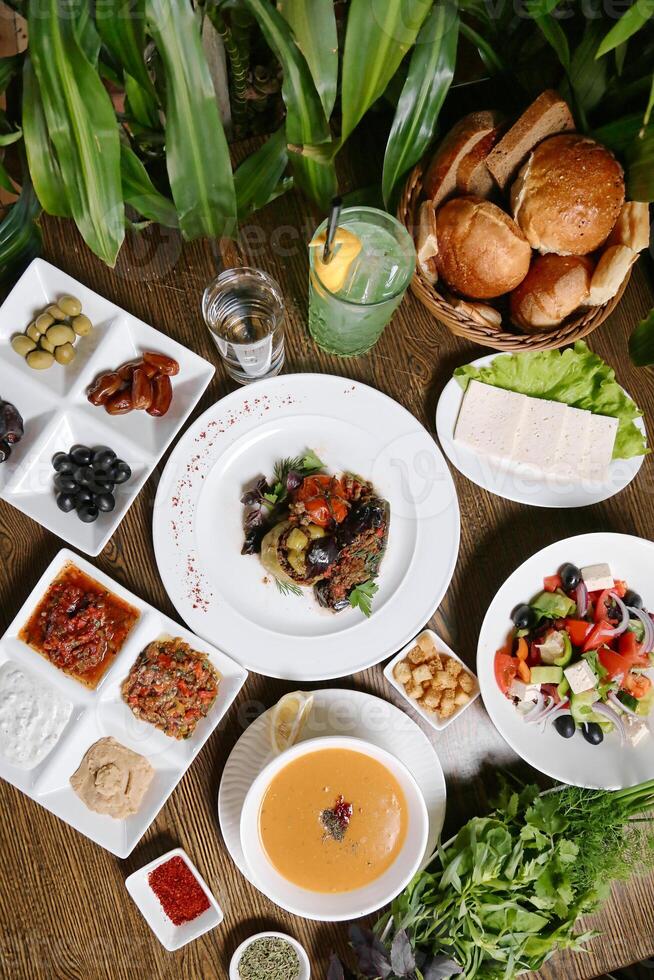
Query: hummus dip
x=111 y=779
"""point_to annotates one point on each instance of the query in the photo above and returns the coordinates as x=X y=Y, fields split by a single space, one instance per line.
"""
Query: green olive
x=22 y=344
x=33 y=332
x=39 y=360
x=297 y=541
x=56 y=312
x=59 y=334
x=81 y=325
x=70 y=305
x=65 y=354
x=45 y=344
x=43 y=321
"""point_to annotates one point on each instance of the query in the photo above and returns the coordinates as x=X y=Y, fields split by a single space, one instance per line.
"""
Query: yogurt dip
x=32 y=717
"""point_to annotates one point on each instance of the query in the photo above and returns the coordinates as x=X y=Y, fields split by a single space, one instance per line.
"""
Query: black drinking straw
x=332 y=225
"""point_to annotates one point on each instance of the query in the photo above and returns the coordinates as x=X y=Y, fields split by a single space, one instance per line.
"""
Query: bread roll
x=554 y=286
x=440 y=177
x=482 y=313
x=568 y=195
x=611 y=271
x=632 y=226
x=481 y=251
x=427 y=242
x=473 y=176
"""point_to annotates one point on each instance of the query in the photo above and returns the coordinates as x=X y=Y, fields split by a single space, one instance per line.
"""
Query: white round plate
x=606 y=766
x=335 y=712
x=198 y=524
x=517 y=481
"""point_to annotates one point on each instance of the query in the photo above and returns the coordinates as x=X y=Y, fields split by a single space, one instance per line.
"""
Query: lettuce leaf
x=575 y=377
x=553 y=605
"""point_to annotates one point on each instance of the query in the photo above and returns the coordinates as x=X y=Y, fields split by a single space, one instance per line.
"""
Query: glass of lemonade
x=353 y=296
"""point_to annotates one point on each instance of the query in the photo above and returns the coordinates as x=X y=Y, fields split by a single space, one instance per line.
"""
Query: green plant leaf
x=641 y=342
x=82 y=127
x=197 y=157
x=629 y=24
x=313 y=23
x=85 y=30
x=430 y=74
x=6 y=139
x=552 y=30
x=121 y=24
x=41 y=159
x=257 y=179
x=620 y=134
x=5 y=180
x=640 y=170
x=141 y=103
x=490 y=58
x=378 y=35
x=8 y=68
x=587 y=75
x=306 y=123
x=141 y=194
x=20 y=236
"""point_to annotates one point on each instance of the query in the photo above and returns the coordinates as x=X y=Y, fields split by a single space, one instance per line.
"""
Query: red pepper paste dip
x=79 y=626
x=181 y=895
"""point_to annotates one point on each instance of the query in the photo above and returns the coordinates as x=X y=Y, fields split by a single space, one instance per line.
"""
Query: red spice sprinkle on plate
x=181 y=896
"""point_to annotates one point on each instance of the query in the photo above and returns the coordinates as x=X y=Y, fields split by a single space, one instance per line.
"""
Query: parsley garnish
x=304 y=466
x=361 y=596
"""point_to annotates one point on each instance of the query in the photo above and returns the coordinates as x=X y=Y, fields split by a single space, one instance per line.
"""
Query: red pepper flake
x=181 y=896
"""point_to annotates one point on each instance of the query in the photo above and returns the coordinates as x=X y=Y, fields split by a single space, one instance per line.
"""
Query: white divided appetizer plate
x=335 y=712
x=516 y=481
x=101 y=712
x=198 y=524
x=57 y=414
x=609 y=765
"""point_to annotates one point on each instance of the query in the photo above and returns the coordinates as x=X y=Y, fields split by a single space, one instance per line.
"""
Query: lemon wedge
x=289 y=717
x=345 y=248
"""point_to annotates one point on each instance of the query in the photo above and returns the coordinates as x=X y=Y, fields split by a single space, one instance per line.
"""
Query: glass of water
x=244 y=310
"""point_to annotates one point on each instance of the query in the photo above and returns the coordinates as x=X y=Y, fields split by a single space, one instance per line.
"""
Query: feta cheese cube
x=598 y=450
x=572 y=445
x=539 y=432
x=488 y=419
x=597 y=577
x=636 y=729
x=580 y=677
x=525 y=692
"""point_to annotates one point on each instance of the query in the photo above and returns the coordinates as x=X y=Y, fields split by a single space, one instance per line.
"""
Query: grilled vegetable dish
x=312 y=529
x=171 y=686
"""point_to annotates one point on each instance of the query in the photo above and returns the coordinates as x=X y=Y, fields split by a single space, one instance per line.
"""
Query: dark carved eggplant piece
x=321 y=553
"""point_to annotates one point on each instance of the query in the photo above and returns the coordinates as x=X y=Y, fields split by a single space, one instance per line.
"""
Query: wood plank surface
x=63 y=906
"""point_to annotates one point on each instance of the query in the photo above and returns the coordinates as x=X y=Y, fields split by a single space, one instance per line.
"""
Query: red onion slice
x=603 y=709
x=581 y=597
x=624 y=614
x=648 y=625
x=615 y=700
x=539 y=713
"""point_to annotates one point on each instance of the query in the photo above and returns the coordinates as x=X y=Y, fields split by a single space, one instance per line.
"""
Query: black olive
x=80 y=455
x=120 y=471
x=83 y=496
x=102 y=456
x=63 y=463
x=321 y=553
x=524 y=617
x=565 y=725
x=5 y=451
x=66 y=502
x=11 y=423
x=84 y=475
x=103 y=486
x=592 y=732
x=570 y=576
x=65 y=482
x=88 y=513
x=102 y=473
x=632 y=599
x=105 y=501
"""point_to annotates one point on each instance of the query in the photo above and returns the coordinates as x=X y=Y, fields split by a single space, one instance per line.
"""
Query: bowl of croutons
x=433 y=679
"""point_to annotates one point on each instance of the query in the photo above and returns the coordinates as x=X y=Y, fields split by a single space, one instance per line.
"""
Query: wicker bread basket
x=573 y=328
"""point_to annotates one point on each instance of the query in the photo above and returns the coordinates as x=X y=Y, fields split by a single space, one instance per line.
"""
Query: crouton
x=461 y=697
x=452 y=666
x=431 y=700
x=444 y=680
x=466 y=682
x=426 y=644
x=421 y=674
x=435 y=663
x=447 y=706
x=417 y=655
x=414 y=691
x=402 y=672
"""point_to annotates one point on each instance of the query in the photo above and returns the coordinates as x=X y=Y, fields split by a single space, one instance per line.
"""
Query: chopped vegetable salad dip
x=32 y=717
x=79 y=626
x=171 y=686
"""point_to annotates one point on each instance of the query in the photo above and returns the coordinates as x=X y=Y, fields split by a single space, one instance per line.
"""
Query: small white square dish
x=171 y=936
x=40 y=751
x=432 y=640
x=57 y=414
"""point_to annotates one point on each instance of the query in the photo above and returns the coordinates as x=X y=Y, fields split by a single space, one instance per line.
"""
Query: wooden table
x=63 y=905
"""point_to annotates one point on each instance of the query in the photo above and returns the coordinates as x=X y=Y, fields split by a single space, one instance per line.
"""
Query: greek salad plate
x=578 y=614
x=377 y=462
x=520 y=481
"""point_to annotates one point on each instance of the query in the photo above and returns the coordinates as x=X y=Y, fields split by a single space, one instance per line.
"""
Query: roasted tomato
x=638 y=685
x=324 y=499
x=506 y=668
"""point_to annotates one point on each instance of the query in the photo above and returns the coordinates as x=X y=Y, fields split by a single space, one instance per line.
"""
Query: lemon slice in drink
x=345 y=248
x=289 y=717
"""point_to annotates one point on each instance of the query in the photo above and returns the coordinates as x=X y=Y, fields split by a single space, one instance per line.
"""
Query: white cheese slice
x=539 y=432
x=488 y=419
x=597 y=577
x=597 y=457
x=580 y=677
x=636 y=729
x=573 y=444
x=522 y=691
